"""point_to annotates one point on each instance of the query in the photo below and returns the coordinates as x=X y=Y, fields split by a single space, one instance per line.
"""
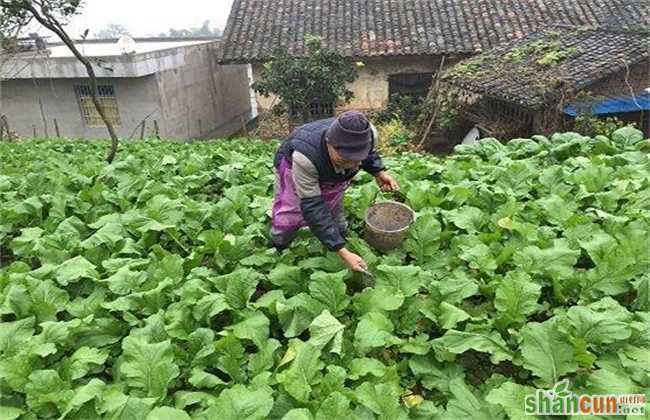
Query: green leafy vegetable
x=146 y=289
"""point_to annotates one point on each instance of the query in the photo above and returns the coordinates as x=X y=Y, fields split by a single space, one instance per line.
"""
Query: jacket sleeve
x=373 y=163
x=321 y=222
x=318 y=216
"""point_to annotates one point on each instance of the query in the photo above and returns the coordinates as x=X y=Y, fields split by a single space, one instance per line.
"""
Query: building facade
x=401 y=42
x=379 y=78
x=171 y=88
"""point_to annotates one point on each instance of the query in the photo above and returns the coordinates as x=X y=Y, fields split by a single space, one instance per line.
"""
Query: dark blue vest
x=309 y=139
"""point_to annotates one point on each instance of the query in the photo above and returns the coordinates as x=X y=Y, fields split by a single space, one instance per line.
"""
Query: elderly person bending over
x=314 y=168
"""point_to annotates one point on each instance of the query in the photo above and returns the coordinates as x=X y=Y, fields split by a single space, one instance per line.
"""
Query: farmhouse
x=401 y=42
x=165 y=87
x=538 y=83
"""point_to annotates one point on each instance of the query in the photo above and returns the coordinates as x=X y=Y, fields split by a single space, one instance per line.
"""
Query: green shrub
x=395 y=137
x=590 y=125
x=406 y=108
x=323 y=76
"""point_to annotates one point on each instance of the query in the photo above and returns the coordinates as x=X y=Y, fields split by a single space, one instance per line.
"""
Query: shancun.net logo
x=561 y=401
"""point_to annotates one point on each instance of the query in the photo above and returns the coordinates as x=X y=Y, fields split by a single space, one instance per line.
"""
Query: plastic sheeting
x=616 y=105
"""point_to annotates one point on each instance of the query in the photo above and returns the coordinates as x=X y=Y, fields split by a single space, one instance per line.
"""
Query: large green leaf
x=82 y=395
x=325 y=329
x=264 y=359
x=45 y=387
x=202 y=379
x=558 y=209
x=374 y=330
x=556 y=261
x=238 y=287
x=483 y=340
x=330 y=290
x=296 y=314
x=478 y=255
x=304 y=372
x=47 y=300
x=546 y=351
x=335 y=406
x=255 y=328
x=82 y=361
x=149 y=367
x=381 y=399
x=464 y=404
x=366 y=366
x=209 y=306
x=167 y=413
x=510 y=397
x=516 y=298
x=13 y=335
x=423 y=238
x=240 y=402
x=408 y=279
x=75 y=269
x=469 y=218
x=378 y=299
x=289 y=278
x=596 y=327
x=604 y=381
x=456 y=287
x=125 y=281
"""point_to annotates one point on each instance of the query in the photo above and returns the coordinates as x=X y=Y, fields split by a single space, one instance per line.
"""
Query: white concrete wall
x=178 y=98
x=20 y=101
x=203 y=99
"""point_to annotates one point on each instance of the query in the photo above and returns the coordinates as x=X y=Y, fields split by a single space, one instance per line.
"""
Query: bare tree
x=205 y=30
x=111 y=31
x=53 y=14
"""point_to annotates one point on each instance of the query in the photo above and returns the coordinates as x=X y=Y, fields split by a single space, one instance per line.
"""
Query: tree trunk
x=436 y=90
x=100 y=110
x=53 y=25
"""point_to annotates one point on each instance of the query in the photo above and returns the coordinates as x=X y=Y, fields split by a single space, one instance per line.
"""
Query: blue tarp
x=613 y=105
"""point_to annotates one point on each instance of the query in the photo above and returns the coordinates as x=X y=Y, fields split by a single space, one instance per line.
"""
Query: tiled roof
x=530 y=71
x=362 y=28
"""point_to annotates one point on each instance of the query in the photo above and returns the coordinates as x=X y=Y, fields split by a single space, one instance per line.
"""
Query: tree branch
x=427 y=131
x=51 y=23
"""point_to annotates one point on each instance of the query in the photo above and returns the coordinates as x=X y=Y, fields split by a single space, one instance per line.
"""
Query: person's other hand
x=386 y=182
x=352 y=261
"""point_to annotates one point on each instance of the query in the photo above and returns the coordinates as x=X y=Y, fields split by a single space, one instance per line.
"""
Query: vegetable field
x=146 y=290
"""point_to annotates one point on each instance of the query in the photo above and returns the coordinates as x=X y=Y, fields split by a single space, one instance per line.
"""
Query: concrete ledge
x=123 y=66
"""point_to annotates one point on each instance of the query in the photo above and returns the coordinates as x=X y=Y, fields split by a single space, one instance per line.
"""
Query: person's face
x=341 y=162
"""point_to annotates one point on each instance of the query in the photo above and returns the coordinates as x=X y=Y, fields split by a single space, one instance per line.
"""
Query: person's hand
x=352 y=261
x=386 y=182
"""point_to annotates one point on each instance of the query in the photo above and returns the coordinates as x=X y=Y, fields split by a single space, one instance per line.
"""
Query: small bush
x=402 y=107
x=395 y=137
x=589 y=125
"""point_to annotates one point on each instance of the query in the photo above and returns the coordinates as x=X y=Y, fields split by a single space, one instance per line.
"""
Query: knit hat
x=350 y=135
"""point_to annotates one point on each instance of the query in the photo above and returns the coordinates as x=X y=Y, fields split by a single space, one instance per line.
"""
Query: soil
x=389 y=216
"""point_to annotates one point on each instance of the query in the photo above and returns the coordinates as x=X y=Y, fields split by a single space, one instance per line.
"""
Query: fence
x=152 y=129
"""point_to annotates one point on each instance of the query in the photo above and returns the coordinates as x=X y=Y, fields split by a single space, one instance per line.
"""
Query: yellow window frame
x=106 y=98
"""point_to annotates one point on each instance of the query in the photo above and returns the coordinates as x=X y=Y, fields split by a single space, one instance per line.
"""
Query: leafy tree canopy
x=323 y=75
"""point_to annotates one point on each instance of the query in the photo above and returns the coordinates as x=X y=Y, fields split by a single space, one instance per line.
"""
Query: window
x=106 y=96
x=412 y=84
x=317 y=111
